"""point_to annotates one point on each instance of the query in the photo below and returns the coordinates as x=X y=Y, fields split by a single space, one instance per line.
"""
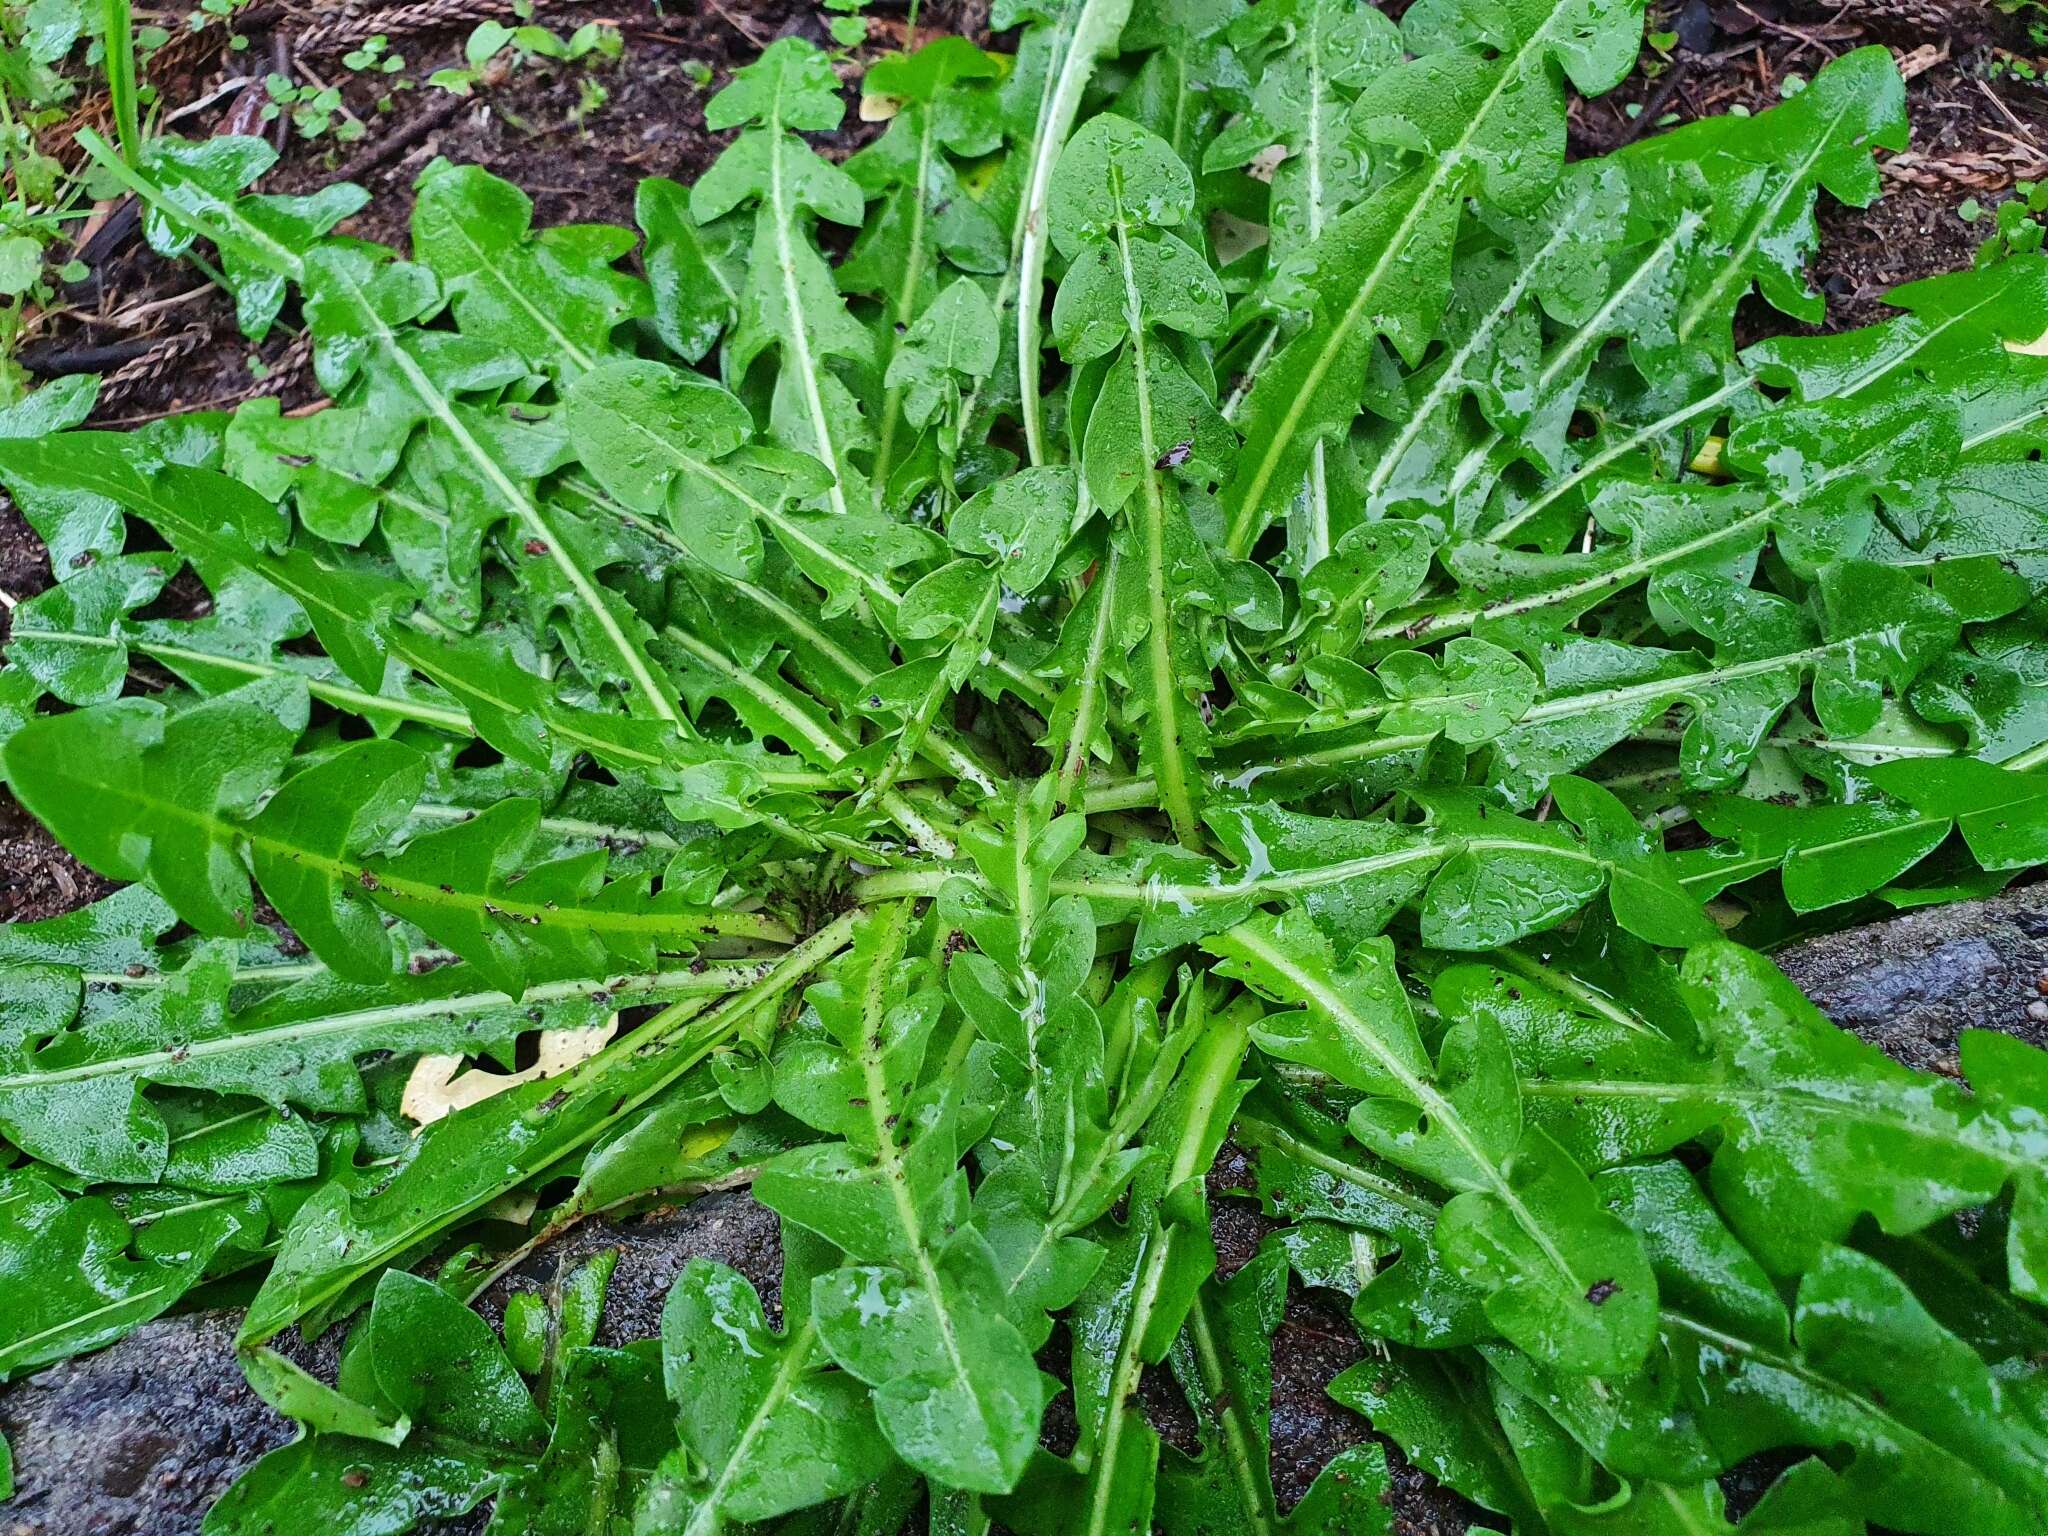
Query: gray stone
x=141 y=1438
x=1913 y=983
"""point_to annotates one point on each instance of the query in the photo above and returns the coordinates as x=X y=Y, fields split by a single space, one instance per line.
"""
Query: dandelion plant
x=1207 y=589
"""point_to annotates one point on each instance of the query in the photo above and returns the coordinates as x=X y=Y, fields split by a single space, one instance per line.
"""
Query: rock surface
x=1912 y=984
x=135 y=1439
x=139 y=1439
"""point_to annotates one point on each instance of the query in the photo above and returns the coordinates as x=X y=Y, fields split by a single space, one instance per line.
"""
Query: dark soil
x=37 y=878
x=1978 y=123
x=525 y=127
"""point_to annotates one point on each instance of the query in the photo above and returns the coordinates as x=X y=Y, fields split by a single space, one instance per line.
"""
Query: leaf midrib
x=511 y=292
x=1423 y=1094
x=1166 y=705
x=1797 y=1366
x=340 y=871
x=650 y=1039
x=523 y=508
x=804 y=363
x=1447 y=164
x=682 y=982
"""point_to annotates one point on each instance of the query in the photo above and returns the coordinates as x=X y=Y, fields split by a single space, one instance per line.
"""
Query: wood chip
x=1921 y=59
